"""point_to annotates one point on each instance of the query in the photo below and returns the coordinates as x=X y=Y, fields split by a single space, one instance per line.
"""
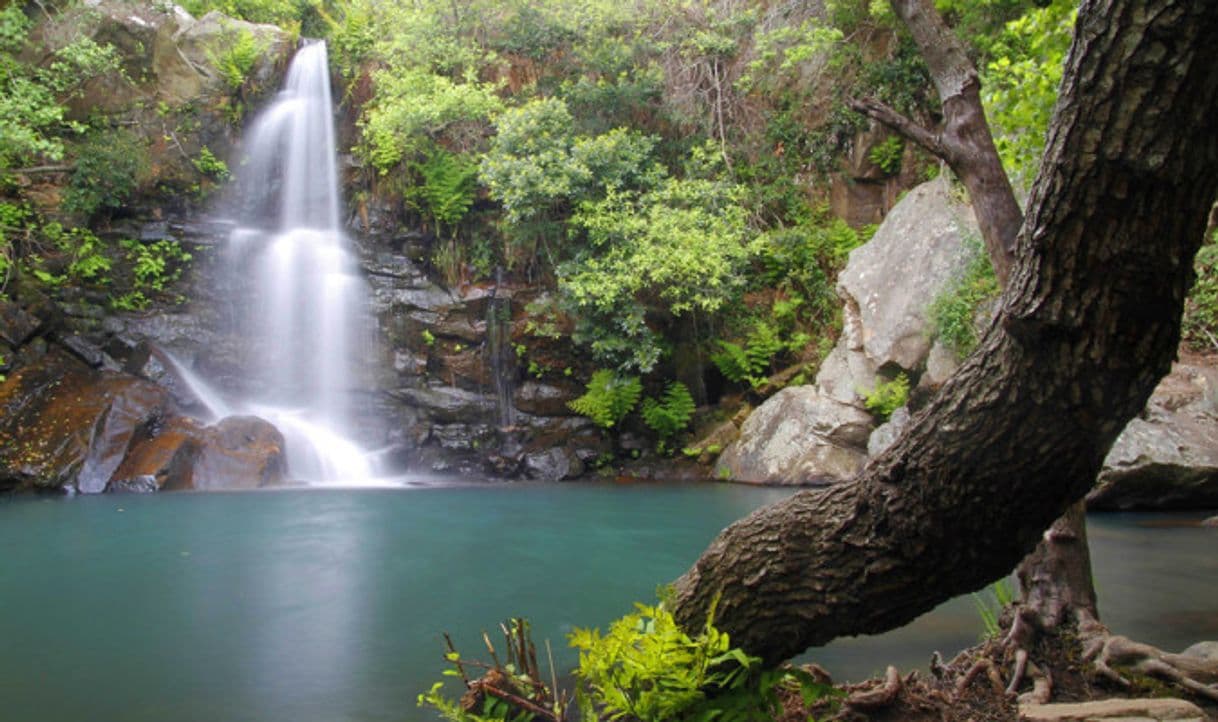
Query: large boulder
x=798 y=436
x=1166 y=458
x=65 y=426
x=892 y=280
x=820 y=433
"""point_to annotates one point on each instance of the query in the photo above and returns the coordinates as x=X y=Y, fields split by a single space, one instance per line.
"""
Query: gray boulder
x=1166 y=458
x=893 y=279
x=798 y=436
x=554 y=464
x=886 y=433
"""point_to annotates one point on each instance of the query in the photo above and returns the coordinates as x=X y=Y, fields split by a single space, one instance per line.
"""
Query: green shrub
x=887 y=155
x=647 y=668
x=154 y=266
x=609 y=397
x=448 y=188
x=234 y=57
x=670 y=413
x=887 y=397
x=110 y=165
x=953 y=313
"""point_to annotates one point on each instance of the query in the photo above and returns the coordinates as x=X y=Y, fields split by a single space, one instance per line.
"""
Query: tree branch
x=904 y=126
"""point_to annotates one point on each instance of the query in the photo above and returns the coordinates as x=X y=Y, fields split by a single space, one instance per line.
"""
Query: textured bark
x=1055 y=579
x=1089 y=322
x=963 y=140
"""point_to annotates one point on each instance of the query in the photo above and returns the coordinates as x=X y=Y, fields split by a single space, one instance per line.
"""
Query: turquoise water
x=317 y=605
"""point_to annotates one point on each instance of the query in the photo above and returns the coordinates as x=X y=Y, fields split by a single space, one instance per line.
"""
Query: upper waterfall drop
x=305 y=313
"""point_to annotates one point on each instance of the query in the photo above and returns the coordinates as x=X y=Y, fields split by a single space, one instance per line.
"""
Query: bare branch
x=932 y=141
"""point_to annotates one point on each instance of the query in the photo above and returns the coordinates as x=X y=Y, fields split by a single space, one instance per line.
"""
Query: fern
x=670 y=414
x=608 y=398
x=749 y=363
x=448 y=187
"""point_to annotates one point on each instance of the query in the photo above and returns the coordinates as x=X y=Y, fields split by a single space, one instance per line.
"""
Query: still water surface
x=320 y=605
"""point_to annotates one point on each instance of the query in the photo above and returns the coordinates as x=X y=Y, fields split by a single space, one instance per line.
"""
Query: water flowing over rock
x=301 y=296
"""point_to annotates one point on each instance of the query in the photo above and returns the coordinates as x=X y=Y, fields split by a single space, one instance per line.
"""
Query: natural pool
x=328 y=605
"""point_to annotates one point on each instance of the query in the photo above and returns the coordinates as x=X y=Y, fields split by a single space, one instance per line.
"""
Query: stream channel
x=328 y=605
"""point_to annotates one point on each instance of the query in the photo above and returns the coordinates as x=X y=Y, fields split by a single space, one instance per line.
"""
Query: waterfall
x=304 y=315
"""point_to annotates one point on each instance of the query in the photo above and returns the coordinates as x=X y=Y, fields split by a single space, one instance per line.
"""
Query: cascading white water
x=306 y=312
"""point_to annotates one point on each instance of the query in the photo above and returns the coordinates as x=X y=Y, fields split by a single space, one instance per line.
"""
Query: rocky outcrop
x=1167 y=457
x=822 y=433
x=66 y=427
x=798 y=436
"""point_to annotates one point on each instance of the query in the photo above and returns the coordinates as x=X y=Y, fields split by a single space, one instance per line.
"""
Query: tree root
x=1107 y=652
x=882 y=696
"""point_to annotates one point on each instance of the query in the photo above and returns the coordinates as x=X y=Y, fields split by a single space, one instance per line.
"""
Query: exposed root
x=879 y=697
x=983 y=664
x=1108 y=652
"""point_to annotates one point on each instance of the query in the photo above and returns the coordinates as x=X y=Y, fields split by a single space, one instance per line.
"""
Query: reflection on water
x=328 y=605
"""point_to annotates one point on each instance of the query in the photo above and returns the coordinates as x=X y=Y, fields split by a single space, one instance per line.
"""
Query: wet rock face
x=66 y=427
x=69 y=427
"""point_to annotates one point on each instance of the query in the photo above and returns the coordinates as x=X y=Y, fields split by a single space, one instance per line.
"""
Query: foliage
x=751 y=362
x=209 y=165
x=520 y=677
x=33 y=117
x=887 y=397
x=448 y=188
x=679 y=249
x=953 y=313
x=154 y=266
x=1021 y=80
x=285 y=13
x=110 y=165
x=608 y=398
x=669 y=414
x=1200 y=323
x=234 y=56
x=990 y=606
x=887 y=155
x=647 y=668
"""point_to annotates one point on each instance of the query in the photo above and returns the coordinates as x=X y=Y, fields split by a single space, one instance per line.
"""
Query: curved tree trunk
x=1089 y=322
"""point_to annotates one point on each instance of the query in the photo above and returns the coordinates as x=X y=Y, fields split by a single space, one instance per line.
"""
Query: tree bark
x=1088 y=324
x=963 y=140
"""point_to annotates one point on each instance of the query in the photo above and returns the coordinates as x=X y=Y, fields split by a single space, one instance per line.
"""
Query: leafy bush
x=887 y=397
x=670 y=414
x=1021 y=83
x=110 y=165
x=154 y=266
x=887 y=155
x=609 y=397
x=953 y=312
x=647 y=668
